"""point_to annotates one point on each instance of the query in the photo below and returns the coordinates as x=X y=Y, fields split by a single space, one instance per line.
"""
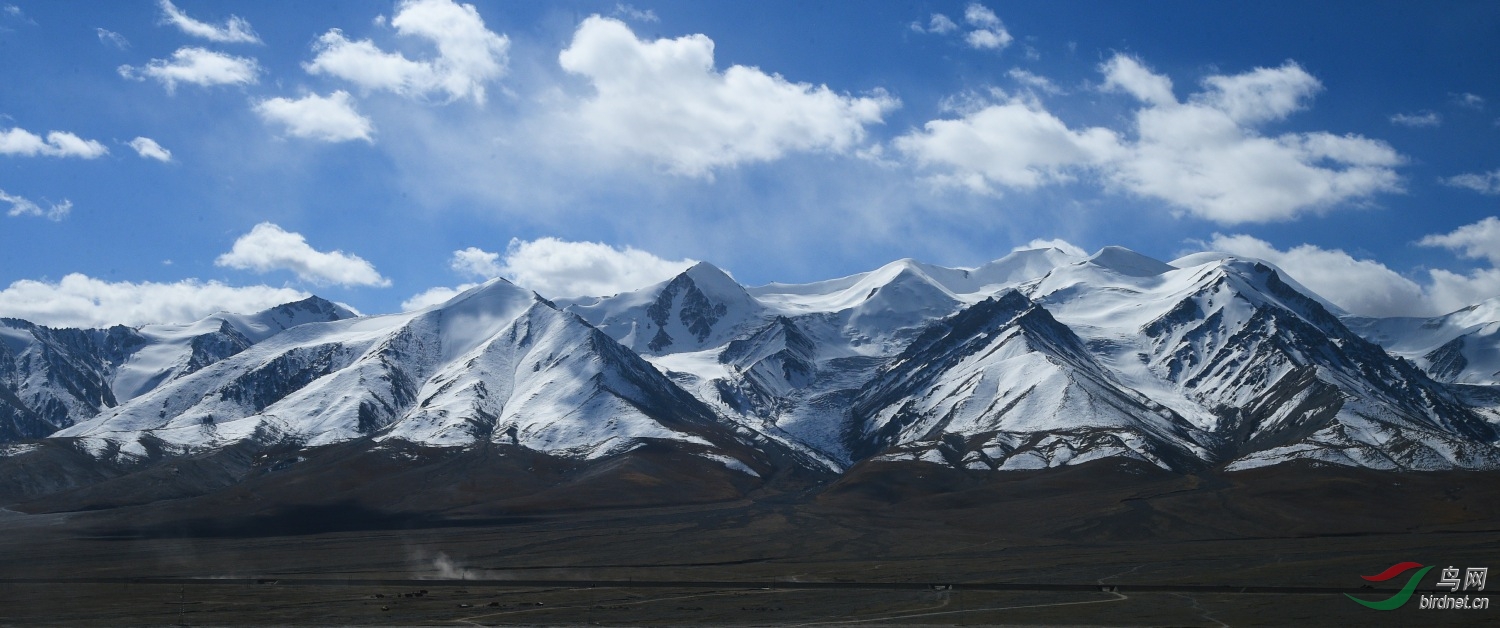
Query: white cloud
x=1421 y=119
x=629 y=12
x=198 y=66
x=329 y=119
x=1368 y=288
x=1260 y=95
x=1016 y=144
x=268 y=247
x=1055 y=243
x=1450 y=291
x=555 y=268
x=1127 y=74
x=82 y=301
x=235 y=29
x=664 y=100
x=1207 y=157
x=989 y=32
x=558 y=268
x=20 y=206
x=938 y=24
x=1483 y=183
x=476 y=262
x=1361 y=286
x=469 y=55
x=149 y=149
x=111 y=38
x=433 y=296
x=23 y=143
x=1480 y=240
x=1469 y=101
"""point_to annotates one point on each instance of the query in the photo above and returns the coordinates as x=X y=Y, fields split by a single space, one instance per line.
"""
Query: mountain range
x=1039 y=359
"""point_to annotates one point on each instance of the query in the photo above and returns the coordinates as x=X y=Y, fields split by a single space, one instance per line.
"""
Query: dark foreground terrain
x=642 y=542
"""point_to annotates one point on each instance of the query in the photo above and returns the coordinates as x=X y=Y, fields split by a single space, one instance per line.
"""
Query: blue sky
x=160 y=161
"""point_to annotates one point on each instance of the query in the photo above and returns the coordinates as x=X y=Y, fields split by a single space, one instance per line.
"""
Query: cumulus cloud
x=1127 y=74
x=1368 y=288
x=555 y=268
x=1480 y=240
x=1483 y=183
x=23 y=143
x=82 y=301
x=476 y=262
x=198 y=66
x=329 y=119
x=989 y=33
x=1450 y=291
x=20 y=206
x=148 y=148
x=559 y=268
x=664 y=100
x=268 y=247
x=234 y=31
x=1421 y=119
x=1206 y=156
x=1360 y=286
x=433 y=296
x=111 y=38
x=469 y=55
x=938 y=24
x=1016 y=144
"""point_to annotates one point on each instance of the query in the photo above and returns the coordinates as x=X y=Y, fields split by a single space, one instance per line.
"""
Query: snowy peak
x=53 y=378
x=1013 y=269
x=1462 y=347
x=264 y=324
x=701 y=307
x=1038 y=359
x=1003 y=385
x=775 y=359
x=1128 y=262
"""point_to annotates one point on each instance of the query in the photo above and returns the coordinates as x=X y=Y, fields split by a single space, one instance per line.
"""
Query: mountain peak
x=1128 y=262
x=713 y=281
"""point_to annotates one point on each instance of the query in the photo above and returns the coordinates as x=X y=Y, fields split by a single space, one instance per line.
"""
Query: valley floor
x=1091 y=546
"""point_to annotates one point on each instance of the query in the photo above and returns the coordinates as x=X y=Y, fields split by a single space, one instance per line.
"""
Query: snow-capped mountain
x=494 y=364
x=52 y=378
x=1462 y=347
x=1264 y=369
x=701 y=307
x=1003 y=385
x=1039 y=359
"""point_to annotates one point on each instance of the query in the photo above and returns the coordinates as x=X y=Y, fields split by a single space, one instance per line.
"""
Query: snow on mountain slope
x=175 y=350
x=701 y=307
x=1004 y=385
x=1038 y=359
x=496 y=363
x=552 y=383
x=52 y=378
x=1273 y=374
x=1461 y=347
x=972 y=283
